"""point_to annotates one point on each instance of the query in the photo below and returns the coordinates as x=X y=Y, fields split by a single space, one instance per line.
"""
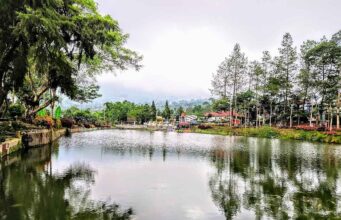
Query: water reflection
x=30 y=190
x=172 y=176
x=290 y=181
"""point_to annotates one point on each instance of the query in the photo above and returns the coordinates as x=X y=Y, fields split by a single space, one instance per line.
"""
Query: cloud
x=179 y=63
x=183 y=42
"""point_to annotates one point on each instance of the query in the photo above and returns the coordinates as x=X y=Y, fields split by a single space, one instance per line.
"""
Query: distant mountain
x=98 y=103
x=184 y=103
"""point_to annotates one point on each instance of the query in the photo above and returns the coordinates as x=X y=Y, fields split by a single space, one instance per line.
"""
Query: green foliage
x=153 y=111
x=129 y=112
x=222 y=104
x=58 y=113
x=42 y=113
x=16 y=110
x=45 y=121
x=270 y=132
x=166 y=111
x=282 y=91
x=63 y=42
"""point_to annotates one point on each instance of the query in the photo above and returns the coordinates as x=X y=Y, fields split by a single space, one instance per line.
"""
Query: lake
x=126 y=174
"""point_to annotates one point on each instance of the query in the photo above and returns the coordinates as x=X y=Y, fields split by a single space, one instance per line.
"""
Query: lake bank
x=36 y=138
x=271 y=132
x=145 y=127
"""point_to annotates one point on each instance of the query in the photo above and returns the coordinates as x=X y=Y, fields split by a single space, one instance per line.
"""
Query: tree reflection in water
x=277 y=180
x=256 y=178
x=29 y=190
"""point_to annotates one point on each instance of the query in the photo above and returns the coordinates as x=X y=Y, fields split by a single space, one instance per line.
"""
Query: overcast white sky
x=183 y=41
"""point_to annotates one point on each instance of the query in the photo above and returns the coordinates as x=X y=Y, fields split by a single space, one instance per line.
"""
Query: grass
x=270 y=132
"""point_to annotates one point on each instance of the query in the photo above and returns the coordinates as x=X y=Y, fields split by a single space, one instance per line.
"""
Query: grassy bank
x=270 y=132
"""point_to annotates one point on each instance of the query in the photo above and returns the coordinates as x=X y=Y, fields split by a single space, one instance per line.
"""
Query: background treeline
x=125 y=111
x=297 y=86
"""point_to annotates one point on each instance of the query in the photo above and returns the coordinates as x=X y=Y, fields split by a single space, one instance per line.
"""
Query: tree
x=230 y=76
x=222 y=104
x=256 y=73
x=153 y=111
x=305 y=80
x=166 y=112
x=266 y=73
x=221 y=80
x=324 y=61
x=287 y=67
x=178 y=113
x=56 y=40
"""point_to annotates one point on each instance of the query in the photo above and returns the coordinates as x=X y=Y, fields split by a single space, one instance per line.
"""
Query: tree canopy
x=293 y=87
x=58 y=44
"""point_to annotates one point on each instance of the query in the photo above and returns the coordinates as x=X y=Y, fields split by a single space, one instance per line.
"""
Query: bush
x=330 y=132
x=67 y=122
x=58 y=123
x=184 y=125
x=204 y=127
x=16 y=110
x=46 y=121
x=305 y=128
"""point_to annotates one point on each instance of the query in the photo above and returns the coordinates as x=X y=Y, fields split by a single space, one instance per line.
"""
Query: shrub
x=305 y=127
x=58 y=123
x=184 y=125
x=16 y=110
x=204 y=127
x=321 y=129
x=330 y=132
x=46 y=121
x=67 y=122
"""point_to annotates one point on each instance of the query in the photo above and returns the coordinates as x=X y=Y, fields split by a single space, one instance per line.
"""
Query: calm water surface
x=120 y=174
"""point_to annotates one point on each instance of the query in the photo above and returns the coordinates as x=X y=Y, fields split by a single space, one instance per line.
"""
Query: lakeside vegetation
x=271 y=132
x=286 y=90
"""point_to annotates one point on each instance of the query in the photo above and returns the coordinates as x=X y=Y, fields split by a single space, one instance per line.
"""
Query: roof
x=221 y=114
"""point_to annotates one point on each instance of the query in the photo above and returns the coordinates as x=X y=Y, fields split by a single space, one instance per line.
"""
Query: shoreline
x=43 y=137
x=271 y=133
x=261 y=132
x=37 y=138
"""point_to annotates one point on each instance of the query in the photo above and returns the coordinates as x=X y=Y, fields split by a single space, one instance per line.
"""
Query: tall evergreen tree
x=153 y=111
x=230 y=77
x=324 y=62
x=287 y=69
x=166 y=112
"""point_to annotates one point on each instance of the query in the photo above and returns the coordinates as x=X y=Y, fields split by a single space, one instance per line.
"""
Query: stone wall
x=36 y=138
x=41 y=137
x=10 y=146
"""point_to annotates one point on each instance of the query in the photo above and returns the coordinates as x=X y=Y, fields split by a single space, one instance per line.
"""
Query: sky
x=183 y=41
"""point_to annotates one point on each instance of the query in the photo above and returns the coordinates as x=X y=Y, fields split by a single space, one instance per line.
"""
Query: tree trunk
x=337 y=118
x=331 y=120
x=270 y=122
x=311 y=116
x=263 y=116
x=256 y=117
x=248 y=116
x=338 y=111
x=291 y=116
x=231 y=114
x=46 y=104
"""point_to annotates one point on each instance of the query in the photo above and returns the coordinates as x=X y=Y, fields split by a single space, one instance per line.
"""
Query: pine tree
x=287 y=69
x=153 y=111
x=166 y=112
